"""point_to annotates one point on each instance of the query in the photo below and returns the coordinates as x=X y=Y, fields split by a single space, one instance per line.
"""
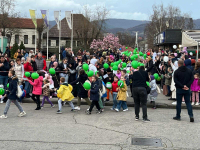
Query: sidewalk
x=162 y=102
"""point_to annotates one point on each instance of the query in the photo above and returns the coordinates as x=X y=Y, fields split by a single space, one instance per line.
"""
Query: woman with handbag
x=140 y=91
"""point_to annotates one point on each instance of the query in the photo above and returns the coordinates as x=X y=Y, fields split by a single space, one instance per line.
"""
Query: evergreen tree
x=14 y=49
x=22 y=46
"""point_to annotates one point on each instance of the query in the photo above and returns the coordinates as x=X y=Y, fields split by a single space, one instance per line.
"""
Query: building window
x=78 y=43
x=8 y=38
x=57 y=42
x=17 y=39
x=25 y=39
x=74 y=43
x=49 y=42
x=33 y=39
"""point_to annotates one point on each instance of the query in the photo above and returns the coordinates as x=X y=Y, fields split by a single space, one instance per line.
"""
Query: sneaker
x=99 y=111
x=3 y=117
x=192 y=103
x=183 y=102
x=88 y=112
x=125 y=109
x=161 y=89
x=112 y=109
x=154 y=107
x=37 y=108
x=176 y=118
x=192 y=119
x=72 y=109
x=107 y=100
x=117 y=110
x=136 y=118
x=77 y=108
x=102 y=110
x=146 y=120
x=52 y=106
x=41 y=107
x=50 y=97
x=88 y=109
x=197 y=104
x=174 y=103
x=171 y=98
x=59 y=112
x=22 y=114
x=1 y=102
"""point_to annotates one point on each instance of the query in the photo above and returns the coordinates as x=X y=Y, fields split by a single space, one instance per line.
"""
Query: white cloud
x=128 y=15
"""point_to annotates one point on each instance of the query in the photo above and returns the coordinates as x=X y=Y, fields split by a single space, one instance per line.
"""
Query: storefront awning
x=190 y=38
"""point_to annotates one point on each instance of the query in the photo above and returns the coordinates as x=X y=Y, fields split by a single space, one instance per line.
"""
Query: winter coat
x=94 y=92
x=153 y=87
x=72 y=75
x=195 y=87
x=41 y=63
x=188 y=64
x=121 y=96
x=5 y=67
x=110 y=78
x=150 y=67
x=56 y=78
x=46 y=90
x=64 y=92
x=12 y=89
x=19 y=71
x=168 y=79
x=34 y=65
x=37 y=85
x=82 y=93
x=28 y=68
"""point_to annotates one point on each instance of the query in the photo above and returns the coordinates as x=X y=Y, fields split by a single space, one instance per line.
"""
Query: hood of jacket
x=65 y=85
x=188 y=62
x=40 y=78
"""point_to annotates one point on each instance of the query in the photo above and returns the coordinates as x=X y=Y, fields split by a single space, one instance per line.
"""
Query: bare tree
x=126 y=39
x=91 y=26
x=166 y=15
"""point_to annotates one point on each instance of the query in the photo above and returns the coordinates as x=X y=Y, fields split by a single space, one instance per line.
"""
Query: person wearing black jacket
x=150 y=65
x=33 y=63
x=7 y=52
x=183 y=79
x=4 y=68
x=12 y=96
x=139 y=80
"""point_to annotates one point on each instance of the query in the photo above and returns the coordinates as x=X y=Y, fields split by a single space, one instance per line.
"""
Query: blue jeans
x=168 y=89
x=27 y=87
x=4 y=81
x=114 y=101
x=122 y=104
x=179 y=94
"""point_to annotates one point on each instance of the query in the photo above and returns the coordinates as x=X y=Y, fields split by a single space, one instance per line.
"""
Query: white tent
x=191 y=38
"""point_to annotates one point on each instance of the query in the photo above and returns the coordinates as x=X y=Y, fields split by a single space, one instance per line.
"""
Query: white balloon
x=174 y=47
x=166 y=59
x=191 y=54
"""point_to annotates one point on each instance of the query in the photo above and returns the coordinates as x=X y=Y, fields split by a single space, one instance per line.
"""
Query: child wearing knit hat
x=152 y=96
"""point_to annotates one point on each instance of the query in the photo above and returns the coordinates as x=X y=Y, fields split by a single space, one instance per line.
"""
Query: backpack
x=19 y=91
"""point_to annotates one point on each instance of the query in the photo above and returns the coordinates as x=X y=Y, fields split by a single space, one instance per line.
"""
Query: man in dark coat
x=150 y=65
x=4 y=68
x=183 y=79
x=7 y=52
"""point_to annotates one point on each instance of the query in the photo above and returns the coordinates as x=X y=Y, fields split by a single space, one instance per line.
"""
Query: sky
x=120 y=9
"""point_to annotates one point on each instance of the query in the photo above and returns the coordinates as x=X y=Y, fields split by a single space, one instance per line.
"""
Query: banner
x=32 y=14
x=56 y=16
x=68 y=18
x=44 y=16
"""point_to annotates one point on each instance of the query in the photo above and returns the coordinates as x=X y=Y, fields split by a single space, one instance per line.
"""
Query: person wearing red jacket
x=114 y=92
x=27 y=68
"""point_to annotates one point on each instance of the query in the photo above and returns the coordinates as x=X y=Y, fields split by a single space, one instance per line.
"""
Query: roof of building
x=22 y=23
x=78 y=20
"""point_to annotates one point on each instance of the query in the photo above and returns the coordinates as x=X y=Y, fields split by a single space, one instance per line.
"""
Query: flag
x=32 y=14
x=56 y=16
x=44 y=16
x=68 y=18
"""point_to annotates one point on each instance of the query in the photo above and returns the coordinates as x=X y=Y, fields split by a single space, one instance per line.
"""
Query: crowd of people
x=178 y=73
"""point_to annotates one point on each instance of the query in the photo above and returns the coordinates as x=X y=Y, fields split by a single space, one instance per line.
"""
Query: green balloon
x=90 y=73
x=135 y=56
x=158 y=79
x=115 y=67
x=120 y=60
x=108 y=85
x=156 y=76
x=140 y=53
x=115 y=64
x=124 y=65
x=2 y=91
x=112 y=64
x=134 y=64
x=87 y=86
x=126 y=47
x=52 y=71
x=85 y=67
x=147 y=83
x=35 y=75
x=106 y=66
x=27 y=74
x=8 y=85
x=145 y=56
x=141 y=64
x=132 y=58
x=120 y=83
x=128 y=71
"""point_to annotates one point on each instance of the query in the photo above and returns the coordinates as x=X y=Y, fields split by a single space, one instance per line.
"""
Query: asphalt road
x=46 y=130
